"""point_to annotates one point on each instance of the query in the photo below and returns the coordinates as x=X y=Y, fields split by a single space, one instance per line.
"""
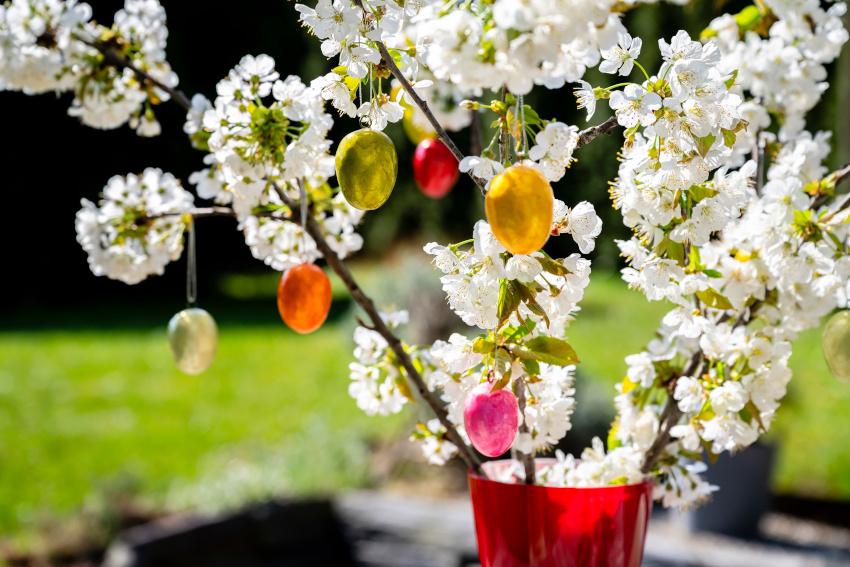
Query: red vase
x=539 y=526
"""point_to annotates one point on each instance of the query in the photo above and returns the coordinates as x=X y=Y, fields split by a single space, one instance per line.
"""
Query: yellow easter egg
x=414 y=123
x=366 y=168
x=193 y=338
x=519 y=206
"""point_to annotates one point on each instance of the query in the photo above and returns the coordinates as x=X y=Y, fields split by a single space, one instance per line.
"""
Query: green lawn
x=87 y=413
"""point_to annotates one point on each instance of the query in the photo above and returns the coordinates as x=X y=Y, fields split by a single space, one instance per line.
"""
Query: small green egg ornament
x=366 y=168
x=193 y=338
x=836 y=345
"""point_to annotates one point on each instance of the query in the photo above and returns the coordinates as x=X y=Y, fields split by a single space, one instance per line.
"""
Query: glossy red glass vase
x=539 y=526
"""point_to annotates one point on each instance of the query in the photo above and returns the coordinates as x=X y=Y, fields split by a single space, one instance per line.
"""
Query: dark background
x=50 y=161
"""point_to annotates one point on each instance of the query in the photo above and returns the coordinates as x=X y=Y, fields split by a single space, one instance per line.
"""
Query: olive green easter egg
x=836 y=345
x=366 y=168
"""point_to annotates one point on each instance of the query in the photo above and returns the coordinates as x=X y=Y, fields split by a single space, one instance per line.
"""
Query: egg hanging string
x=302 y=191
x=191 y=264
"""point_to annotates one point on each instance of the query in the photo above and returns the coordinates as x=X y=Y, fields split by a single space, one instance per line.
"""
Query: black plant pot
x=744 y=495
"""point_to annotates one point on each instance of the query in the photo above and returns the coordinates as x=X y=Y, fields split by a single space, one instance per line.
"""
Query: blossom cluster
x=136 y=228
x=54 y=45
x=267 y=138
x=746 y=263
x=523 y=304
x=782 y=68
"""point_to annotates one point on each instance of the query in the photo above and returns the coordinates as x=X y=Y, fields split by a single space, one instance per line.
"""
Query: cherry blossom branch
x=837 y=177
x=585 y=136
x=199 y=212
x=671 y=414
x=378 y=325
x=111 y=56
x=426 y=110
x=589 y=134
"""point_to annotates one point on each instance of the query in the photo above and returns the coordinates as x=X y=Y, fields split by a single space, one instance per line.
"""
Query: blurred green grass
x=86 y=410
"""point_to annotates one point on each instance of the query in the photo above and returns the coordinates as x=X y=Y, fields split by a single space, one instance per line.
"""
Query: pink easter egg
x=491 y=419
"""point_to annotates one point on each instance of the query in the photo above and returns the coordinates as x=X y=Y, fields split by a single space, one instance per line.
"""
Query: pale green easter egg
x=193 y=338
x=366 y=168
x=836 y=345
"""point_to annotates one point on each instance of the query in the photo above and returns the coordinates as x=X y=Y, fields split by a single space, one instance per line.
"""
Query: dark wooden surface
x=372 y=529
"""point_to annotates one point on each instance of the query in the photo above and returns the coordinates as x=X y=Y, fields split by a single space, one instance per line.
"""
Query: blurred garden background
x=93 y=414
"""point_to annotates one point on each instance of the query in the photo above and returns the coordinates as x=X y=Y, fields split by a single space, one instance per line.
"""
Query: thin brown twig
x=113 y=57
x=670 y=415
x=589 y=134
x=365 y=302
x=199 y=212
x=837 y=177
x=426 y=110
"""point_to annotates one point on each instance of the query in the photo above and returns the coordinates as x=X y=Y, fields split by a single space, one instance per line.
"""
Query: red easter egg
x=491 y=419
x=434 y=168
x=304 y=298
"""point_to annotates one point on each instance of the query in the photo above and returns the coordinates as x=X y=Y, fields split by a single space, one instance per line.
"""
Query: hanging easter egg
x=836 y=345
x=491 y=419
x=366 y=168
x=193 y=338
x=434 y=168
x=414 y=123
x=519 y=206
x=416 y=127
x=304 y=298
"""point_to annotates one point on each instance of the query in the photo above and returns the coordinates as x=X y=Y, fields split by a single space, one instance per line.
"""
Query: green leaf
x=527 y=295
x=706 y=413
x=729 y=137
x=613 y=440
x=483 y=346
x=730 y=82
x=669 y=249
x=712 y=273
x=530 y=115
x=551 y=351
x=704 y=144
x=699 y=192
x=694 y=260
x=714 y=299
x=553 y=267
x=509 y=301
x=748 y=18
x=532 y=367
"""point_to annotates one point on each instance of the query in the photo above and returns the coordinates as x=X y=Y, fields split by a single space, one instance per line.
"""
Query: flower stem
x=639 y=66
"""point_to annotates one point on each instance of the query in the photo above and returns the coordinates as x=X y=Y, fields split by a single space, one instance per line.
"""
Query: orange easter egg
x=304 y=298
